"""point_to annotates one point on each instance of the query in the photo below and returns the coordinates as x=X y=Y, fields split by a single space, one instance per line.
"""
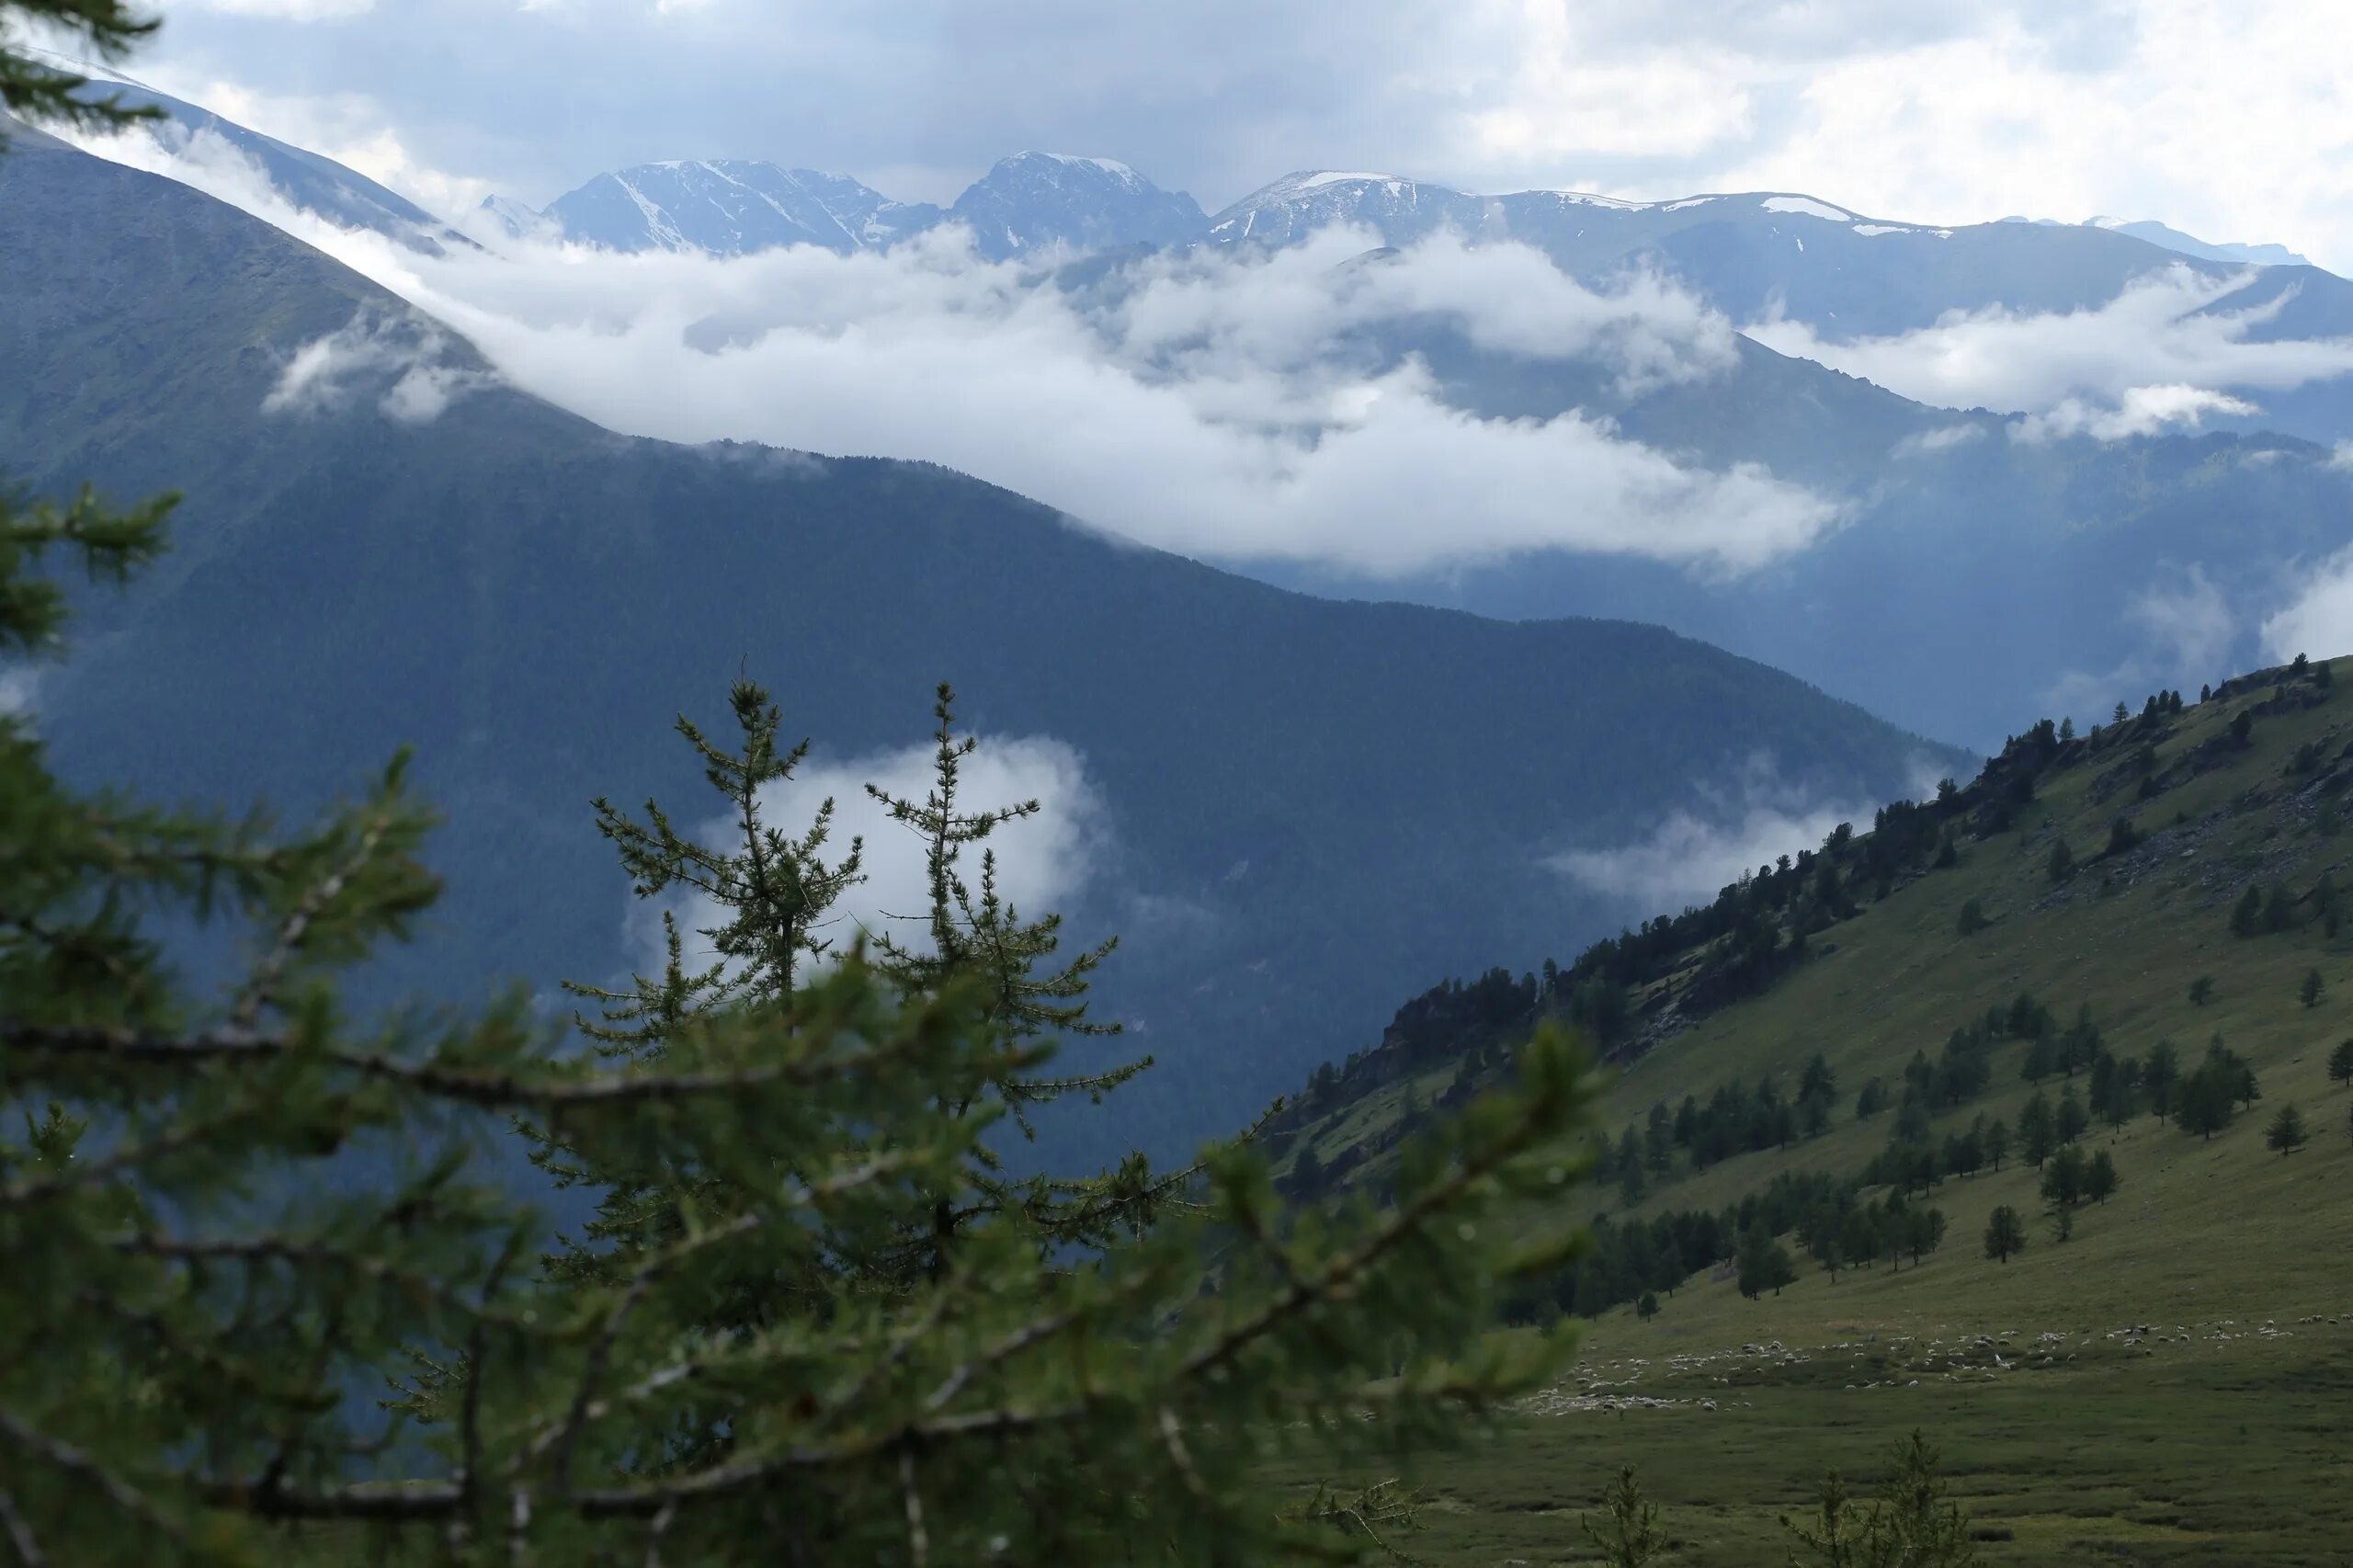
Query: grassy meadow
x=2223 y=1435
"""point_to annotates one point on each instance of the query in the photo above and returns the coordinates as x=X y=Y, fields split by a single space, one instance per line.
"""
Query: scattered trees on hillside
x=2340 y=1063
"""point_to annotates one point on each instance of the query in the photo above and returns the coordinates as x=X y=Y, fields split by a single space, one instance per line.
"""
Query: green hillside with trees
x=2048 y=1075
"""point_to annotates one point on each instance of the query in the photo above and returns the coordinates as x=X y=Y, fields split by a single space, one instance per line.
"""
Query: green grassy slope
x=2215 y=1436
x=2224 y=1221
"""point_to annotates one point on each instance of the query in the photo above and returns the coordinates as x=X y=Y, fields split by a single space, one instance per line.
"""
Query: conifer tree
x=2285 y=1133
x=2005 y=1234
x=1914 y=1523
x=2340 y=1060
x=2071 y=1118
x=2101 y=1179
x=2038 y=1130
x=232 y=1217
x=2161 y=1079
x=2312 y=988
x=1998 y=1141
x=1765 y=1265
x=1628 y=1533
x=2062 y=1178
x=38 y=92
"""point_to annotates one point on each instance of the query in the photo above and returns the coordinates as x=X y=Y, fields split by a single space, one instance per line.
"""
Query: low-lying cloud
x=2319 y=620
x=2165 y=351
x=1696 y=851
x=1234 y=408
x=1943 y=439
x=404 y=366
x=1045 y=863
x=2187 y=632
x=2141 y=411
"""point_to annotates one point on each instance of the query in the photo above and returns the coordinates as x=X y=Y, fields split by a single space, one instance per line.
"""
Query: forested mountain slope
x=1302 y=800
x=2134 y=939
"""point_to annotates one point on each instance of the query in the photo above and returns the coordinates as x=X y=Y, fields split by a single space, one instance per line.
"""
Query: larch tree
x=234 y=1214
x=2005 y=1234
x=2285 y=1133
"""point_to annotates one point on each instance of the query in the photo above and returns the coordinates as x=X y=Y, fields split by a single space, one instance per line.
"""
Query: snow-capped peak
x=1111 y=169
x=1334 y=176
x=1808 y=207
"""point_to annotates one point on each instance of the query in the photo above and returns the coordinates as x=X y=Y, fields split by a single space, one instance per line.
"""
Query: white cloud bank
x=2187 y=634
x=402 y=363
x=2319 y=620
x=1211 y=405
x=1688 y=859
x=1695 y=853
x=1044 y=863
x=2165 y=351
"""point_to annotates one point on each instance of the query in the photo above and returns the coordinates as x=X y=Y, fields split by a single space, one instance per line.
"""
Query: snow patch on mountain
x=1806 y=205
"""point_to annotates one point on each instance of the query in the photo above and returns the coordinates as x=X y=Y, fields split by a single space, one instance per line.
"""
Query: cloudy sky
x=2232 y=119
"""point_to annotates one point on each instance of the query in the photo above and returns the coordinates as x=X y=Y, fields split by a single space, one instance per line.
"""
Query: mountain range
x=1034 y=202
x=2108 y=559
x=384 y=545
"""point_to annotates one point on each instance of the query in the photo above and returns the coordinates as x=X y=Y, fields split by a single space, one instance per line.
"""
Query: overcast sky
x=2232 y=119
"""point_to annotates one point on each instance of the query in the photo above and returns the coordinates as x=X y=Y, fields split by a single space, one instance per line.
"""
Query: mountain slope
x=1302 y=799
x=2215 y=809
x=1031 y=201
x=1754 y=252
x=1039 y=201
x=2165 y=235
x=1951 y=524
x=732 y=207
x=317 y=184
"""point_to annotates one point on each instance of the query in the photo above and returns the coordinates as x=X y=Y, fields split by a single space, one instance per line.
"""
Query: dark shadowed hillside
x=1306 y=801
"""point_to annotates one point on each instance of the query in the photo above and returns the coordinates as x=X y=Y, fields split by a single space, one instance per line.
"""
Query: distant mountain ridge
x=1026 y=203
x=731 y=207
x=1951 y=520
x=315 y=184
x=1303 y=799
